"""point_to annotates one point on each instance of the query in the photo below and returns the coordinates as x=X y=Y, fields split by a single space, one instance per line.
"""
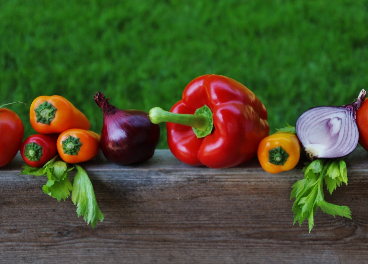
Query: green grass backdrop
x=292 y=54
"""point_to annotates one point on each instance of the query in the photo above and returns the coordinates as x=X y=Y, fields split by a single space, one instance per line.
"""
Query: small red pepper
x=218 y=123
x=38 y=149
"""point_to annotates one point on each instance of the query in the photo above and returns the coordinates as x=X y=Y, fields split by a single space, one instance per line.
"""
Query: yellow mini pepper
x=279 y=152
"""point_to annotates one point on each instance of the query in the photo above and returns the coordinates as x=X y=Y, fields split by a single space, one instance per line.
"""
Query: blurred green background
x=292 y=54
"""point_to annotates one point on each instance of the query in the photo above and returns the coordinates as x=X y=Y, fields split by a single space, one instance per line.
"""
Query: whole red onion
x=128 y=136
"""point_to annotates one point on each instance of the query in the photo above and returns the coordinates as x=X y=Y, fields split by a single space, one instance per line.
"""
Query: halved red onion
x=329 y=131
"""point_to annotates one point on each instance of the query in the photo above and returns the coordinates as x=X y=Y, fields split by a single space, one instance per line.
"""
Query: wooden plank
x=165 y=211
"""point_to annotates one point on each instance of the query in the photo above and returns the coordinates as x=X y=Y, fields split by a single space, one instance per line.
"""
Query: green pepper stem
x=201 y=121
x=45 y=113
x=71 y=145
x=278 y=156
x=33 y=151
x=158 y=115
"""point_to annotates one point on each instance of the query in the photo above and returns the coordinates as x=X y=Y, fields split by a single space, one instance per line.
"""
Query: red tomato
x=38 y=149
x=362 y=123
x=11 y=135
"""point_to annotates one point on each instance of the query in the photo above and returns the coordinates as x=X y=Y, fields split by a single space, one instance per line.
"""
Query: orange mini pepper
x=55 y=114
x=279 y=152
x=78 y=145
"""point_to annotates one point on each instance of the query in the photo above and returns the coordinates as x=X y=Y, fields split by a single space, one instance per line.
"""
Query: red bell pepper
x=218 y=123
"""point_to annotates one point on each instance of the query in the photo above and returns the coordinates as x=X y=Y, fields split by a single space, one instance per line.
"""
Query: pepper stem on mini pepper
x=278 y=156
x=71 y=145
x=45 y=113
x=33 y=151
x=201 y=121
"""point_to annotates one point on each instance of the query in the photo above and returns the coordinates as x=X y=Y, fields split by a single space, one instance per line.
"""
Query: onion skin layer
x=127 y=136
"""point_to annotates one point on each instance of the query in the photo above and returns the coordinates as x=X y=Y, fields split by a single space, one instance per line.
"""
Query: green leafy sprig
x=86 y=204
x=60 y=187
x=308 y=192
x=287 y=129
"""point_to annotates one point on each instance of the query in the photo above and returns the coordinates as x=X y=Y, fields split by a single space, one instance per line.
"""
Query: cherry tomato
x=38 y=149
x=11 y=135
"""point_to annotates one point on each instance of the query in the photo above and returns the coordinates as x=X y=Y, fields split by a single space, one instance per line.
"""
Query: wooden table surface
x=164 y=211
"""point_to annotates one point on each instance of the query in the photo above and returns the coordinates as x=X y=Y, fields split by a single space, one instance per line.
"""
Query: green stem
x=7 y=104
x=158 y=115
x=71 y=145
x=277 y=156
x=33 y=151
x=201 y=121
x=45 y=113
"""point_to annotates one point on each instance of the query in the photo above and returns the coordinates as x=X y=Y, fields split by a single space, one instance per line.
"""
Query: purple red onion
x=128 y=136
x=329 y=131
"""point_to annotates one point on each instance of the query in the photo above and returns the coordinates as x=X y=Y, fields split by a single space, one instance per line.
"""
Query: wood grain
x=165 y=211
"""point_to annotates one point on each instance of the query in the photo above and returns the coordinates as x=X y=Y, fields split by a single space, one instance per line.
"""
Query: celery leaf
x=83 y=197
x=316 y=166
x=59 y=189
x=58 y=185
x=333 y=170
x=308 y=192
x=298 y=187
x=332 y=184
x=343 y=172
x=311 y=220
x=287 y=129
x=28 y=170
x=333 y=209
